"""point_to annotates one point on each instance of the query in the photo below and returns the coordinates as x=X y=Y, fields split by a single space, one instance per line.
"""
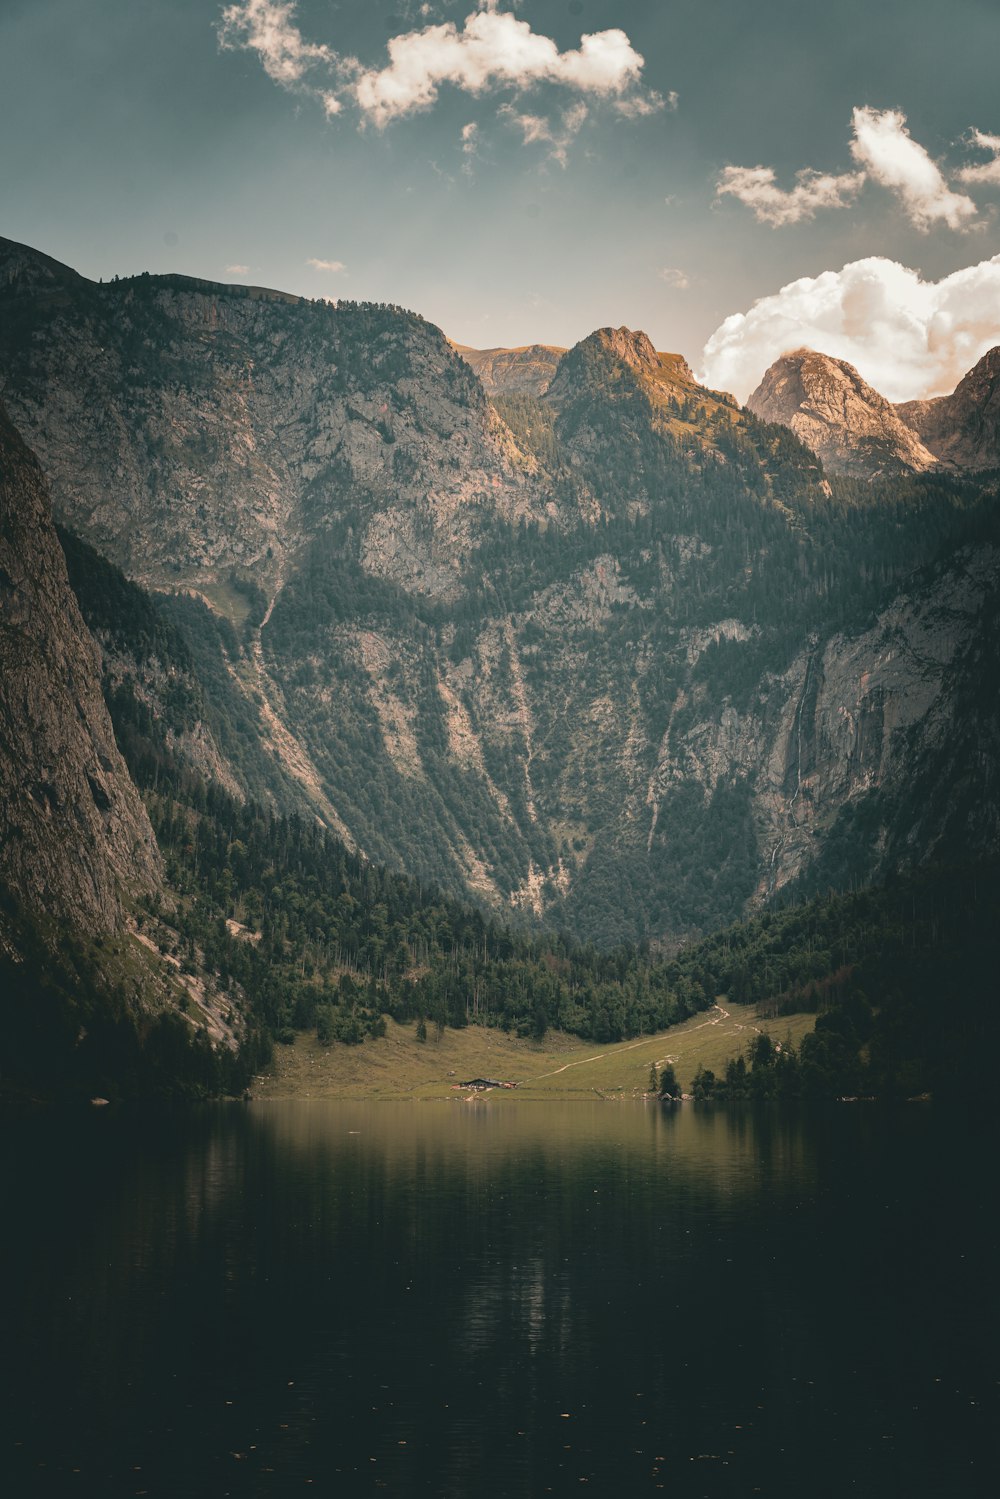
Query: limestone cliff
x=845 y=422
x=963 y=429
x=875 y=749
x=190 y=429
x=621 y=673
x=527 y=370
x=74 y=832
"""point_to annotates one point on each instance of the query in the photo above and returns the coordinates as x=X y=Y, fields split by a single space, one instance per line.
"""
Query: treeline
x=903 y=980
x=323 y=937
x=86 y=1017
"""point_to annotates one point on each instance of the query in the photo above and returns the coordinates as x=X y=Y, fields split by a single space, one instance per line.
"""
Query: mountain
x=193 y=431
x=76 y=837
x=847 y=424
x=963 y=429
x=505 y=372
x=616 y=658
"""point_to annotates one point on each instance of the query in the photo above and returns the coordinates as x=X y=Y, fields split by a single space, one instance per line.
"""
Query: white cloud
x=491 y=49
x=639 y=106
x=326 y=265
x=470 y=141
x=537 y=128
x=237 y=270
x=757 y=188
x=884 y=148
x=987 y=172
x=675 y=278
x=907 y=337
x=267 y=28
x=885 y=153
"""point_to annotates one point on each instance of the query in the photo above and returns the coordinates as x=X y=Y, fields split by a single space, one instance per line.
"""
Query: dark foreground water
x=498 y=1299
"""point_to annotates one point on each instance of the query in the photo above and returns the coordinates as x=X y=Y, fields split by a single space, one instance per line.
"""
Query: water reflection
x=512 y=1297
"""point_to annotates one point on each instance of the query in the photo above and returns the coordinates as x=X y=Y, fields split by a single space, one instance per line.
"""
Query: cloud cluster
x=757 y=188
x=984 y=171
x=267 y=27
x=326 y=265
x=885 y=153
x=491 y=50
x=885 y=149
x=908 y=337
x=558 y=137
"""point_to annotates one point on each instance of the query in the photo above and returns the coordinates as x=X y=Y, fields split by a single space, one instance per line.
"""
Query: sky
x=735 y=177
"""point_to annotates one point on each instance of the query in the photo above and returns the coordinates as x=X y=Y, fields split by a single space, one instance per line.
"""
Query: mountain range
x=563 y=633
x=856 y=431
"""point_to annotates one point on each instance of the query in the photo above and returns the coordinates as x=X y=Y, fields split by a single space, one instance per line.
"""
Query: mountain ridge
x=844 y=420
x=586 y=655
x=858 y=433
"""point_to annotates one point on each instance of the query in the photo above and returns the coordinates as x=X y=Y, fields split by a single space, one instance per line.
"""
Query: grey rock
x=846 y=423
x=74 y=835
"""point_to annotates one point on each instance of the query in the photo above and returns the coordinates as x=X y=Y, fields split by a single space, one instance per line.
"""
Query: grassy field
x=559 y=1067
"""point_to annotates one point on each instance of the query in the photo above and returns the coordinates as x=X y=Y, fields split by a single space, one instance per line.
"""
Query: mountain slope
x=846 y=423
x=963 y=429
x=75 y=833
x=191 y=429
x=527 y=370
x=570 y=666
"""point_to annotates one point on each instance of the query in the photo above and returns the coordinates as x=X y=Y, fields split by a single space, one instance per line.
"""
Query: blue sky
x=522 y=172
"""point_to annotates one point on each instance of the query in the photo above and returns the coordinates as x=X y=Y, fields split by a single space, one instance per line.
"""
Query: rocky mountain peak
x=188 y=429
x=632 y=347
x=836 y=413
x=964 y=428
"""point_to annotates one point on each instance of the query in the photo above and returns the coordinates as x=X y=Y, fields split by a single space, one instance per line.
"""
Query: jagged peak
x=632 y=346
x=813 y=366
x=834 y=411
x=986 y=368
x=963 y=428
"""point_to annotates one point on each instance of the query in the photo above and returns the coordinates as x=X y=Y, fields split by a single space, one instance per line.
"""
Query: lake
x=499 y=1298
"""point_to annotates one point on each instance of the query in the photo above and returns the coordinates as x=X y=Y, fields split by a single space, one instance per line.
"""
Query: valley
x=475 y=701
x=559 y=1068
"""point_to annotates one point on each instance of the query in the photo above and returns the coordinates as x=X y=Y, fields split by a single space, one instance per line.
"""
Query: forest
x=701 y=514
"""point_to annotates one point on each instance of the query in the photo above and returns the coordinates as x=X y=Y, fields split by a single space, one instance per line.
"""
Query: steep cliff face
x=845 y=422
x=610 y=354
x=963 y=429
x=508 y=372
x=75 y=833
x=875 y=749
x=563 y=671
x=190 y=429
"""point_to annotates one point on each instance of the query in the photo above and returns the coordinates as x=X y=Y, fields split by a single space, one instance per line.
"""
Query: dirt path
x=643 y=1041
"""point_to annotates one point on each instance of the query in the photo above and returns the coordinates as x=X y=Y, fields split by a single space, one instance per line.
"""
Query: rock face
x=190 y=429
x=875 y=749
x=559 y=666
x=845 y=422
x=963 y=429
x=74 y=832
x=525 y=371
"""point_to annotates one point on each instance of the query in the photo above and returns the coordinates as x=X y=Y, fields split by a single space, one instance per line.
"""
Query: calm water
x=498 y=1299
